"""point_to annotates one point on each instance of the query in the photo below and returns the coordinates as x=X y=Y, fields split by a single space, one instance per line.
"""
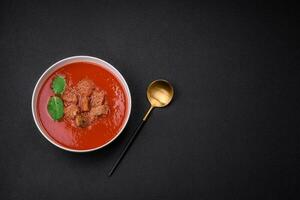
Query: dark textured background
x=231 y=132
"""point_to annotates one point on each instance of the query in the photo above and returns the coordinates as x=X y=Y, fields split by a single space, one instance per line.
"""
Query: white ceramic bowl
x=60 y=64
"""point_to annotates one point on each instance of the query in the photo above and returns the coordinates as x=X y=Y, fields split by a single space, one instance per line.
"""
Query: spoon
x=159 y=93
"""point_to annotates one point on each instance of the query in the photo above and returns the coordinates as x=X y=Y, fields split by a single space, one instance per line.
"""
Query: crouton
x=97 y=98
x=69 y=96
x=85 y=87
x=99 y=110
x=82 y=121
x=71 y=111
x=84 y=104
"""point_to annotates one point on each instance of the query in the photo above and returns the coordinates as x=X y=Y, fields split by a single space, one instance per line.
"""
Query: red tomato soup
x=98 y=133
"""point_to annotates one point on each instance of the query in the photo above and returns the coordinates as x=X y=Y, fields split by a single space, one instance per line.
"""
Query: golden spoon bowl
x=159 y=93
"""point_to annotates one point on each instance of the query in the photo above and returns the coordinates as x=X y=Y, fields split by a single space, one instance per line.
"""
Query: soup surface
x=98 y=133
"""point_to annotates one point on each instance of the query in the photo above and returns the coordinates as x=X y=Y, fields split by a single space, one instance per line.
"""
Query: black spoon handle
x=137 y=130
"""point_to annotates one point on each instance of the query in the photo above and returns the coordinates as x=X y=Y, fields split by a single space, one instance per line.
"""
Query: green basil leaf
x=58 y=85
x=55 y=108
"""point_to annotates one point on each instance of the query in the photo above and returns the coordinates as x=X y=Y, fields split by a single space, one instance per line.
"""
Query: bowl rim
x=96 y=61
